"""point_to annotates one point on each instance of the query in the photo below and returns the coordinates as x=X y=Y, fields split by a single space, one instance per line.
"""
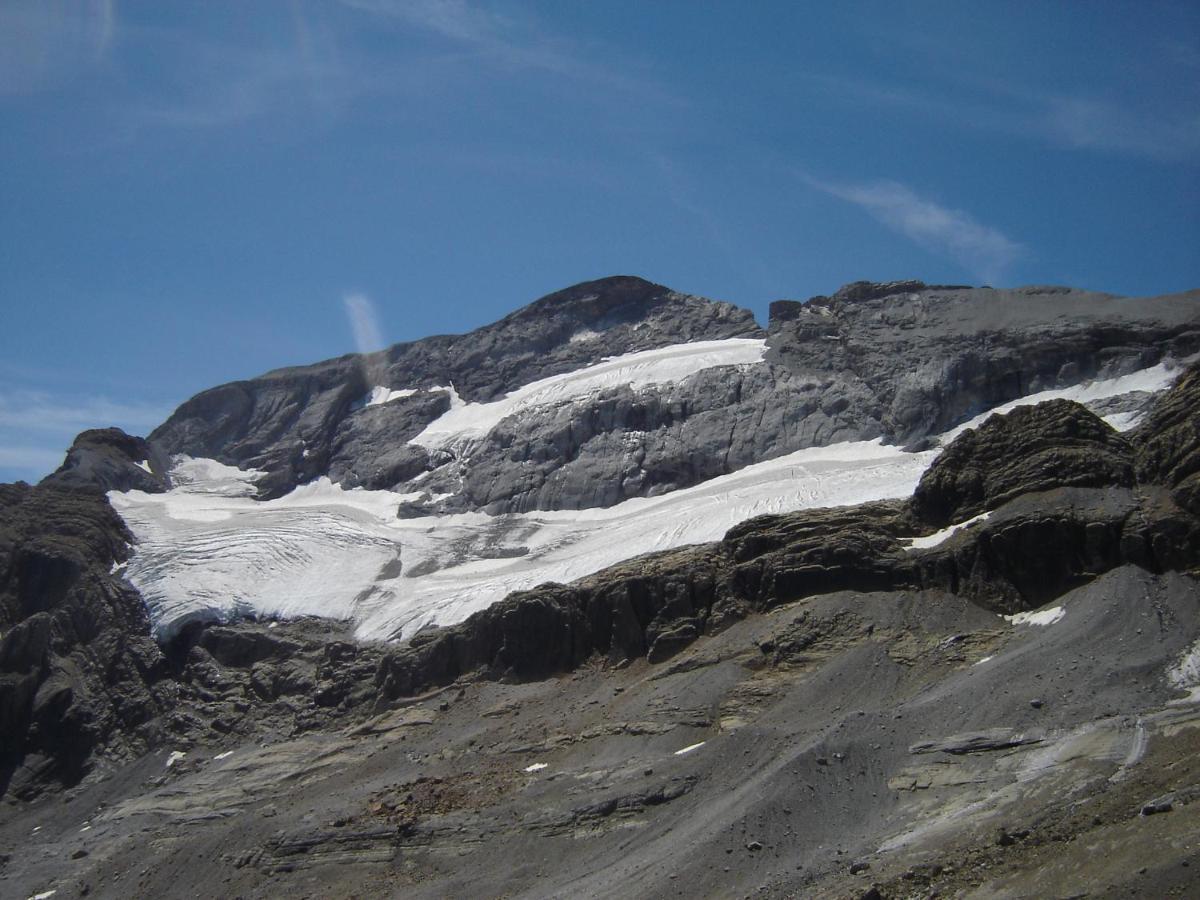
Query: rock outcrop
x=302 y=422
x=1169 y=442
x=1056 y=444
x=108 y=459
x=78 y=668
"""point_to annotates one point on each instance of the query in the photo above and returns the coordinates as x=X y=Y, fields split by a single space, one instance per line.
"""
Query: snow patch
x=221 y=756
x=466 y=422
x=985 y=659
x=176 y=756
x=144 y=465
x=932 y=540
x=1185 y=675
x=1154 y=379
x=209 y=477
x=690 y=748
x=1037 y=617
x=380 y=395
x=536 y=767
x=44 y=895
x=584 y=334
x=1124 y=421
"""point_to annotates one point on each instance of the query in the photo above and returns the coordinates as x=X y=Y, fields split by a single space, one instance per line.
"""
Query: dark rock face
x=932 y=356
x=644 y=607
x=628 y=443
x=901 y=360
x=1033 y=448
x=78 y=668
x=111 y=460
x=283 y=423
x=260 y=678
x=1169 y=442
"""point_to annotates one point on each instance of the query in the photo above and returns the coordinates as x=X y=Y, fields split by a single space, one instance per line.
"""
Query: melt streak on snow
x=206 y=550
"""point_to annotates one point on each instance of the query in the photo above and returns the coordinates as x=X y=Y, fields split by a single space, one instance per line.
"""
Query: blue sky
x=189 y=192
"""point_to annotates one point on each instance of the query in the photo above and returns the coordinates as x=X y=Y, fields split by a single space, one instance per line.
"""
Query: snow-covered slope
x=207 y=550
x=466 y=421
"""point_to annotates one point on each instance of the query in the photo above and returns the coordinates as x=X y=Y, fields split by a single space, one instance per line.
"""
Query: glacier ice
x=207 y=550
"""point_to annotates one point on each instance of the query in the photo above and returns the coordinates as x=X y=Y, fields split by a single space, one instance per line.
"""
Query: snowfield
x=322 y=550
x=206 y=550
x=464 y=422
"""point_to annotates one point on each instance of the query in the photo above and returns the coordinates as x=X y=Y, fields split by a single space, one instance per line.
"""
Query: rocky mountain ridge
x=900 y=360
x=924 y=694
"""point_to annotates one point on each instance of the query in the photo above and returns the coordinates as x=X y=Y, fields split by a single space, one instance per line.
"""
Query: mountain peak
x=593 y=300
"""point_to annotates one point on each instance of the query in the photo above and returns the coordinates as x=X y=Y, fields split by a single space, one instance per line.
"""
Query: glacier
x=206 y=550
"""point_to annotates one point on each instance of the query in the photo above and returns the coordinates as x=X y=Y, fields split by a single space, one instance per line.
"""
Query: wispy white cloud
x=981 y=249
x=38 y=411
x=37 y=427
x=1072 y=121
x=311 y=64
x=454 y=19
x=363 y=322
x=225 y=85
x=42 y=44
x=1088 y=123
x=516 y=43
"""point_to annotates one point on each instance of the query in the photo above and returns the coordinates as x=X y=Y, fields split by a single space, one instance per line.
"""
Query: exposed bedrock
x=1169 y=442
x=935 y=356
x=1033 y=448
x=903 y=360
x=108 y=459
x=78 y=668
x=626 y=443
